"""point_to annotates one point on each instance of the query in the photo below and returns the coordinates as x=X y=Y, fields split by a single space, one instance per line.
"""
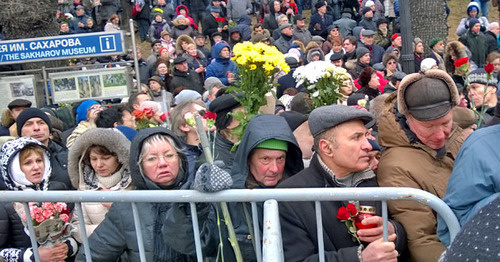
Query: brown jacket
x=405 y=164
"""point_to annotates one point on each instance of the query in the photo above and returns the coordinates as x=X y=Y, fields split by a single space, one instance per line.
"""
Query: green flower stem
x=200 y=130
x=232 y=234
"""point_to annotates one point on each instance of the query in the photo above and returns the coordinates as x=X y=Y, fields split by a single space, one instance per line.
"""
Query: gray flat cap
x=323 y=118
x=368 y=32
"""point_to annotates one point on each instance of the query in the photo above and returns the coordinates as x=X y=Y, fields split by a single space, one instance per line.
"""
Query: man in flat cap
x=341 y=160
x=416 y=127
x=185 y=76
x=9 y=116
x=368 y=41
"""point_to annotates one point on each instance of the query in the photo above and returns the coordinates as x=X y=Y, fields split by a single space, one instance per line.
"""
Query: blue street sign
x=61 y=47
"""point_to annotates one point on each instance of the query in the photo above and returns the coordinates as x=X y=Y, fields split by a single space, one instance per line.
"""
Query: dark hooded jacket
x=254 y=134
x=221 y=66
x=244 y=27
x=14 y=242
x=116 y=235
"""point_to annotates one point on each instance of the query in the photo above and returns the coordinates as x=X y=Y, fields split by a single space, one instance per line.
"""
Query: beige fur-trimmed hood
x=110 y=138
x=433 y=73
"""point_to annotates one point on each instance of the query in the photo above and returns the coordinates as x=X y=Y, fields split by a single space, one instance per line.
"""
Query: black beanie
x=223 y=105
x=29 y=113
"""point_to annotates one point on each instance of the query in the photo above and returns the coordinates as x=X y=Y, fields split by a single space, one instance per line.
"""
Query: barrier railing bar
x=138 y=232
x=83 y=232
x=256 y=231
x=319 y=226
x=31 y=229
x=196 y=232
x=272 y=241
x=385 y=217
x=244 y=195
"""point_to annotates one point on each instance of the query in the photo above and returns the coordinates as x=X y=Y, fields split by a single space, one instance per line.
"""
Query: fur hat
x=427 y=96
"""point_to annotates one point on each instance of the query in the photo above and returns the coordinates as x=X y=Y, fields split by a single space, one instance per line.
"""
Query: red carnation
x=163 y=117
x=462 y=61
x=210 y=115
x=220 y=19
x=343 y=213
x=489 y=68
x=352 y=209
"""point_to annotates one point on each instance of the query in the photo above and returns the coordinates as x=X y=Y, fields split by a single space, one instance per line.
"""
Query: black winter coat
x=298 y=220
x=59 y=163
x=190 y=80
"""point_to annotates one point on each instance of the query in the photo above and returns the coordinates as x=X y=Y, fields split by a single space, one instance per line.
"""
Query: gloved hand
x=212 y=178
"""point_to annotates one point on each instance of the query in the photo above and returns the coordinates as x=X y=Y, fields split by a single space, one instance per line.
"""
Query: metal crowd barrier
x=272 y=249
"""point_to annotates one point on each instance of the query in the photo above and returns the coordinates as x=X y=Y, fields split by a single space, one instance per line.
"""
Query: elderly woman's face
x=161 y=163
x=33 y=167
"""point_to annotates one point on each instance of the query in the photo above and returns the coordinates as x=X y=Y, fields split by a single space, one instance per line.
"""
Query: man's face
x=141 y=98
x=365 y=59
x=348 y=46
x=224 y=53
x=476 y=93
x=348 y=148
x=288 y=31
x=284 y=20
x=322 y=10
x=259 y=30
x=36 y=128
x=433 y=133
x=235 y=36
x=382 y=27
x=217 y=39
x=496 y=64
x=14 y=112
x=476 y=28
x=495 y=29
x=128 y=119
x=369 y=14
x=161 y=2
x=338 y=63
x=368 y=40
x=80 y=11
x=200 y=41
x=156 y=47
x=182 y=67
x=439 y=46
x=155 y=86
x=300 y=24
x=64 y=27
x=419 y=48
x=267 y=165
x=473 y=13
x=397 y=42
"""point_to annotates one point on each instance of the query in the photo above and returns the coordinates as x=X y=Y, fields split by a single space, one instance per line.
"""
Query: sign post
x=61 y=47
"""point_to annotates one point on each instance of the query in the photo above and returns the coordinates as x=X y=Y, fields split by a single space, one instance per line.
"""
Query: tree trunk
x=428 y=20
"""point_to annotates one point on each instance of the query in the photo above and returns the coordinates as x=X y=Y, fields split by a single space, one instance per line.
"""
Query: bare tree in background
x=28 y=19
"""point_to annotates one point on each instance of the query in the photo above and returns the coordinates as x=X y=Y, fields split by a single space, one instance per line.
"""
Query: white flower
x=315 y=94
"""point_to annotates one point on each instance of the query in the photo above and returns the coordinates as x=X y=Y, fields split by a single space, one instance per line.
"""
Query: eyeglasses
x=154 y=160
x=391 y=63
x=95 y=107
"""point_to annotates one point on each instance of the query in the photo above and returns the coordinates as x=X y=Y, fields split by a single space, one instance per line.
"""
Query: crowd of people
x=389 y=128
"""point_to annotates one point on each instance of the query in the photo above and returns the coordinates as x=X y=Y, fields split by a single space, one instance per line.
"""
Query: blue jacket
x=474 y=181
x=221 y=66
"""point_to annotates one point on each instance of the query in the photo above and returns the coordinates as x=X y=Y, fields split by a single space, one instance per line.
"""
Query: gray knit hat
x=326 y=117
x=481 y=77
x=361 y=51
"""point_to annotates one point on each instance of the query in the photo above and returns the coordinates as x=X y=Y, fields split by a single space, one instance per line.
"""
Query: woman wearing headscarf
x=25 y=166
x=98 y=161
